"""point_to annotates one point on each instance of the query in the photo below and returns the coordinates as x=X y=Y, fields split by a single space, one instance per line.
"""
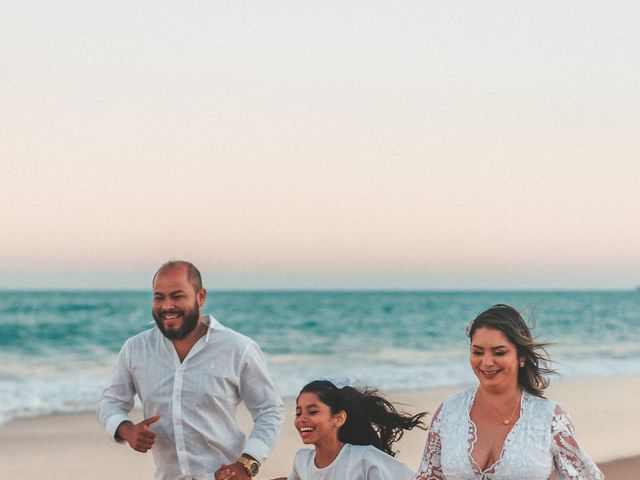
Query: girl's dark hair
x=371 y=419
x=532 y=377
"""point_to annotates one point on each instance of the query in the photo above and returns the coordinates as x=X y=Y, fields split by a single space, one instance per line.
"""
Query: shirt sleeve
x=381 y=466
x=118 y=398
x=298 y=462
x=263 y=401
x=431 y=466
x=570 y=460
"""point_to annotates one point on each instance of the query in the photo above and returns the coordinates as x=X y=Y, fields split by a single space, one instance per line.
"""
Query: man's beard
x=189 y=322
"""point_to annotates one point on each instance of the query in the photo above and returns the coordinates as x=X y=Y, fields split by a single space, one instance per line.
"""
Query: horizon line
x=332 y=290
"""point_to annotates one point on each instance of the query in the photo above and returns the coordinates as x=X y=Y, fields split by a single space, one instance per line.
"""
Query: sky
x=321 y=144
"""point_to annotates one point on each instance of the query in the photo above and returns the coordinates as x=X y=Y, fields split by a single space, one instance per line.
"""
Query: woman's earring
x=521 y=364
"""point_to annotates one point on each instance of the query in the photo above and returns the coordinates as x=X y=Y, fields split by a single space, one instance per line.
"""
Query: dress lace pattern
x=543 y=439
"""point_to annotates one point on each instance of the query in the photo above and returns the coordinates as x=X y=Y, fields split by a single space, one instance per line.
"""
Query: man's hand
x=234 y=471
x=139 y=436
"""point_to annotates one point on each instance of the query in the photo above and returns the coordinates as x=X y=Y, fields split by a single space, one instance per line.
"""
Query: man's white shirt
x=196 y=399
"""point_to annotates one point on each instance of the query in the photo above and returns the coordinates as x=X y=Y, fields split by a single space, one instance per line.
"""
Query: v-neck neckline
x=195 y=349
x=473 y=437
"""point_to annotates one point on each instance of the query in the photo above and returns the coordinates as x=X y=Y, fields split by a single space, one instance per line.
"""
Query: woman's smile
x=493 y=358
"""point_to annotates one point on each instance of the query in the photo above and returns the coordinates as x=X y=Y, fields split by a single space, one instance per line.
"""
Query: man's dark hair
x=193 y=275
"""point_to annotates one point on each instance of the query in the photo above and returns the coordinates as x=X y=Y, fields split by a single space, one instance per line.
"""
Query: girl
x=352 y=431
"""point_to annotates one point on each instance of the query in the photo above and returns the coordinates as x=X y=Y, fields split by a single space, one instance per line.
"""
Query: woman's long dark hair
x=532 y=377
x=371 y=419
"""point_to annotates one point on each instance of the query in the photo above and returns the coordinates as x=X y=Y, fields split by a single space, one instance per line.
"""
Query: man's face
x=176 y=304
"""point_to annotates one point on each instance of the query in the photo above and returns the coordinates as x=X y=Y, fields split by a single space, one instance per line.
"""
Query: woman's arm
x=572 y=463
x=430 y=467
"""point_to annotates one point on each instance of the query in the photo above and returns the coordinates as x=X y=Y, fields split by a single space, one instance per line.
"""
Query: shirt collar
x=212 y=324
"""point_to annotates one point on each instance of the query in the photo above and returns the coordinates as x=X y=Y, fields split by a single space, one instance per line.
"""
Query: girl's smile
x=314 y=420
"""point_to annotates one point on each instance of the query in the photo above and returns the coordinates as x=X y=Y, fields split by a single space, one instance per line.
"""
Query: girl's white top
x=354 y=462
x=542 y=439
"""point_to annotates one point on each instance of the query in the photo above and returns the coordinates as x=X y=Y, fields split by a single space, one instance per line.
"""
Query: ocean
x=57 y=349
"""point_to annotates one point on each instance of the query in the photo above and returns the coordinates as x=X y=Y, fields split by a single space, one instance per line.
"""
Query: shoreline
x=603 y=411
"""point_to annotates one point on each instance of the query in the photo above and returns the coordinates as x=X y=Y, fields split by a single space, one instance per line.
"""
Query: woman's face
x=314 y=421
x=494 y=359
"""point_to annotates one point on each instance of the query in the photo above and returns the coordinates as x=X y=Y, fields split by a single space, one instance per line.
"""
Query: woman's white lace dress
x=542 y=439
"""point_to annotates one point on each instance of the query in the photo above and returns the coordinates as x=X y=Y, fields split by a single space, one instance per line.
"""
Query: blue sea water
x=57 y=349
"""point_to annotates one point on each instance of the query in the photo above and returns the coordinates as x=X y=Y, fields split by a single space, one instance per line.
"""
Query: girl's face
x=315 y=422
x=494 y=359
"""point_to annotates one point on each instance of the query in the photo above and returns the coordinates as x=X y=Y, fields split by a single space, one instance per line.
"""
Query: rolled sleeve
x=118 y=398
x=113 y=423
x=263 y=401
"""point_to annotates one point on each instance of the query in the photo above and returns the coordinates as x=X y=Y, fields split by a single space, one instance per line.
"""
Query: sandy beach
x=74 y=446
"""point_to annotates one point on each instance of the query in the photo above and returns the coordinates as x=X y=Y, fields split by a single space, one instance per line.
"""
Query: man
x=190 y=374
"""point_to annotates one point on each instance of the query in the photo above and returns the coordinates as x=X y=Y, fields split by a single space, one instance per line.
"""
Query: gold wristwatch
x=251 y=465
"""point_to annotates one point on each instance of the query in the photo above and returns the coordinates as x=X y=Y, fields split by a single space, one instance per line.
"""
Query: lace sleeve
x=430 y=467
x=570 y=460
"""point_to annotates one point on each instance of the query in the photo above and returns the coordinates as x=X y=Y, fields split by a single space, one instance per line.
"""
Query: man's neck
x=184 y=345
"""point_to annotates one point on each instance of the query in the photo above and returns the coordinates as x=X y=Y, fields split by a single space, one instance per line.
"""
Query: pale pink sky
x=321 y=144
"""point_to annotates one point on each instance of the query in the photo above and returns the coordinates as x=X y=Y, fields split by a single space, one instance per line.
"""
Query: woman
x=504 y=429
x=352 y=432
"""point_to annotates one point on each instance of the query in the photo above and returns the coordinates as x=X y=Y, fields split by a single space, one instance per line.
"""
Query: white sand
x=63 y=447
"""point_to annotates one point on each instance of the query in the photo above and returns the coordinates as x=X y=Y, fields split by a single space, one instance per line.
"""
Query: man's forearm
x=123 y=431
